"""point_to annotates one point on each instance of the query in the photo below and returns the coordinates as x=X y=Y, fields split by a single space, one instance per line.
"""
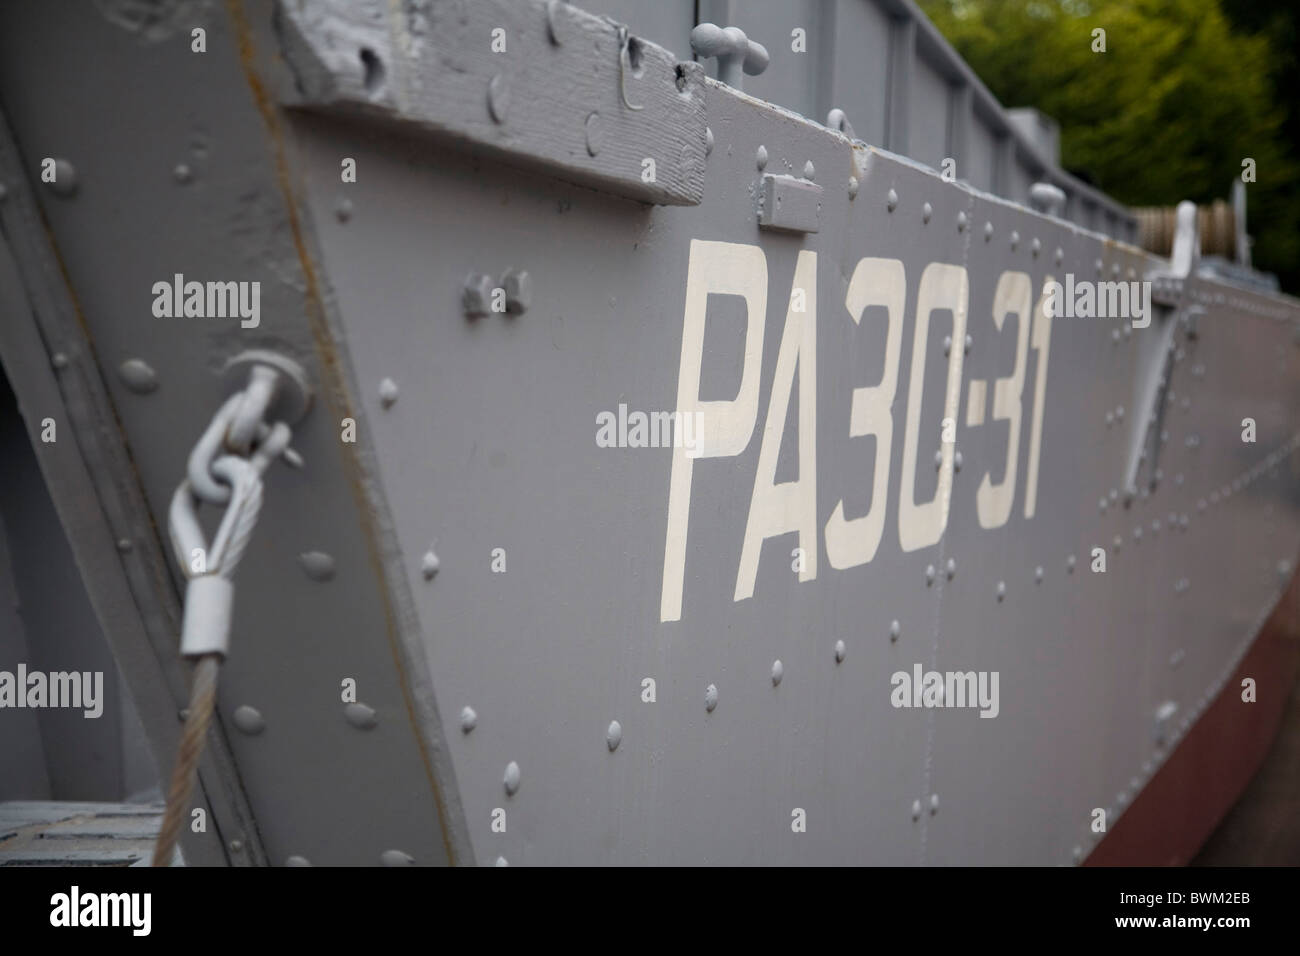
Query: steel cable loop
x=205 y=638
x=198 y=467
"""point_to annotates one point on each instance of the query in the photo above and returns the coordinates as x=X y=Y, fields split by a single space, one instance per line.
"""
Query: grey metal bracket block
x=545 y=85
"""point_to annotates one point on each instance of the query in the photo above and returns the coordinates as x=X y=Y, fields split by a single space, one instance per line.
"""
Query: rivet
x=1036 y=247
x=1119 y=412
x=518 y=286
x=951 y=568
x=182 y=174
x=65 y=178
x=1038 y=574
x=1114 y=336
x=360 y=716
x=396 y=858
x=947 y=344
x=988 y=231
x=387 y=392
x=1114 y=494
x=778 y=671
x=760 y=158
x=961 y=222
x=499 y=98
x=929 y=575
x=1118 y=542
x=1069 y=564
x=1114 y=270
x=511 y=778
x=916 y=809
x=711 y=697
x=138 y=376
x=934 y=804
x=1015 y=238
x=894 y=630
x=124 y=545
x=708 y=141
x=249 y=720
x=595 y=133
x=1137 y=534
x=1002 y=590
x=429 y=565
x=501 y=861
x=1110 y=419
x=1059 y=255
x=1102 y=506
x=476 y=294
x=956 y=461
x=183 y=714
x=613 y=735
x=938 y=459
x=468 y=719
x=840 y=651
x=297 y=861
x=891 y=200
x=926 y=210
x=318 y=565
x=853 y=187
x=59 y=360
x=552 y=26
x=236 y=846
x=343 y=210
x=809 y=171
x=968 y=344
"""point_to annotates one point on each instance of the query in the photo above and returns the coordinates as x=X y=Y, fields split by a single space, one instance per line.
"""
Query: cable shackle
x=225 y=468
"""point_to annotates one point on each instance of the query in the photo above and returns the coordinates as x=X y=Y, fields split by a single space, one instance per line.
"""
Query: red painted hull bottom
x=1178 y=810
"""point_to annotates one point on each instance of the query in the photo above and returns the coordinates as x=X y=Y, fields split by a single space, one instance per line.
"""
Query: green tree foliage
x=1168 y=112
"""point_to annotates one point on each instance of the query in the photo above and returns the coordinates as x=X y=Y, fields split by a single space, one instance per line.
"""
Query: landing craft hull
x=579 y=585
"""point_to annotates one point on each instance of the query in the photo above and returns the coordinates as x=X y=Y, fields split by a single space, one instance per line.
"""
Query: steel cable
x=202 y=697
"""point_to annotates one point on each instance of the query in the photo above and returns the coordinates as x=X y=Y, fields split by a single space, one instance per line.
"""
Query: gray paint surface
x=490 y=444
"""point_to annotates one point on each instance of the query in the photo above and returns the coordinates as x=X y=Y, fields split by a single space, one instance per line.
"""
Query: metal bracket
x=789 y=204
x=586 y=102
x=1169 y=291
